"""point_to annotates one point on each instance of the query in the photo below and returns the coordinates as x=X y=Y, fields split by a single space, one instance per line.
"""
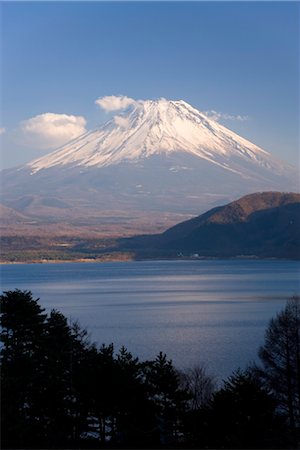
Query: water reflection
x=212 y=311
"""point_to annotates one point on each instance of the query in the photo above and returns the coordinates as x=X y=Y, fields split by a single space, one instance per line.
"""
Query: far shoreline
x=123 y=260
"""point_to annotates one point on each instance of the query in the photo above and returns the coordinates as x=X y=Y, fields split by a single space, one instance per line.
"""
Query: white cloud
x=2 y=130
x=215 y=115
x=123 y=122
x=50 y=130
x=115 y=102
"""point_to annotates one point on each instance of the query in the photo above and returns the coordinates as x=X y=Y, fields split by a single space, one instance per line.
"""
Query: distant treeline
x=61 y=391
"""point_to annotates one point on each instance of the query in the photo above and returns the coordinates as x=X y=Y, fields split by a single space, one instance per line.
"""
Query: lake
x=213 y=312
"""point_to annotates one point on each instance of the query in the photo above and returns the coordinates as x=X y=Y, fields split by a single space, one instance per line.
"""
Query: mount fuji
x=159 y=158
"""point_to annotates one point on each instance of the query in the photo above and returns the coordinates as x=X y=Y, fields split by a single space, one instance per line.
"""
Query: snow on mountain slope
x=157 y=159
x=160 y=127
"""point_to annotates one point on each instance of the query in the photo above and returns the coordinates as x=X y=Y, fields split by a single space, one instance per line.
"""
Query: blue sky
x=237 y=58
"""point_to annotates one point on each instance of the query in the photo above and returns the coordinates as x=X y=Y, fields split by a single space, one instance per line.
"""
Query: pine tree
x=169 y=399
x=23 y=326
x=135 y=418
x=57 y=375
x=243 y=415
x=280 y=356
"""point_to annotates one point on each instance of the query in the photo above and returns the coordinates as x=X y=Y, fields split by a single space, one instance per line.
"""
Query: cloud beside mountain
x=217 y=116
x=115 y=102
x=51 y=130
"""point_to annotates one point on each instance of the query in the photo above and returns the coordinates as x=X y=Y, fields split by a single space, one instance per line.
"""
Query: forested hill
x=262 y=224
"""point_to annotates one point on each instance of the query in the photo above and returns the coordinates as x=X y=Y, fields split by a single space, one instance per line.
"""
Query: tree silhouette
x=280 y=356
x=41 y=362
x=200 y=386
x=61 y=391
x=133 y=427
x=22 y=327
x=169 y=398
x=57 y=400
x=242 y=415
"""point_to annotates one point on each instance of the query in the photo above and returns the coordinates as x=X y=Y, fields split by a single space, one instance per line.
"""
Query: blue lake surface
x=213 y=312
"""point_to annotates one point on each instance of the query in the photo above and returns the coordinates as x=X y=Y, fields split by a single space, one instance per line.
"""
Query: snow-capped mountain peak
x=156 y=159
x=156 y=127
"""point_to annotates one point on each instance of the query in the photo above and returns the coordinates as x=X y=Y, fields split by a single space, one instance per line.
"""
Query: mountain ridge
x=262 y=224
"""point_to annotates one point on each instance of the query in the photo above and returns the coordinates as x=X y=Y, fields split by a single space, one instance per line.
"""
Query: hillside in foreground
x=262 y=224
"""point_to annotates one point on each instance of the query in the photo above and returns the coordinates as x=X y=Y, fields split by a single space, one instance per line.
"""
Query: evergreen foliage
x=60 y=391
x=243 y=414
x=280 y=356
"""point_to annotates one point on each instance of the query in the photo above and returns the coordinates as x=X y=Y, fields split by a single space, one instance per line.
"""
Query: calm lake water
x=212 y=312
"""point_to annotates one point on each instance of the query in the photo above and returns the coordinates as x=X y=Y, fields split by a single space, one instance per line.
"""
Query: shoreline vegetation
x=105 y=258
x=60 y=390
x=128 y=258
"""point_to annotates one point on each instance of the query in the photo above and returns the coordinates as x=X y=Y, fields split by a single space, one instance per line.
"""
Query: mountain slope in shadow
x=263 y=224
